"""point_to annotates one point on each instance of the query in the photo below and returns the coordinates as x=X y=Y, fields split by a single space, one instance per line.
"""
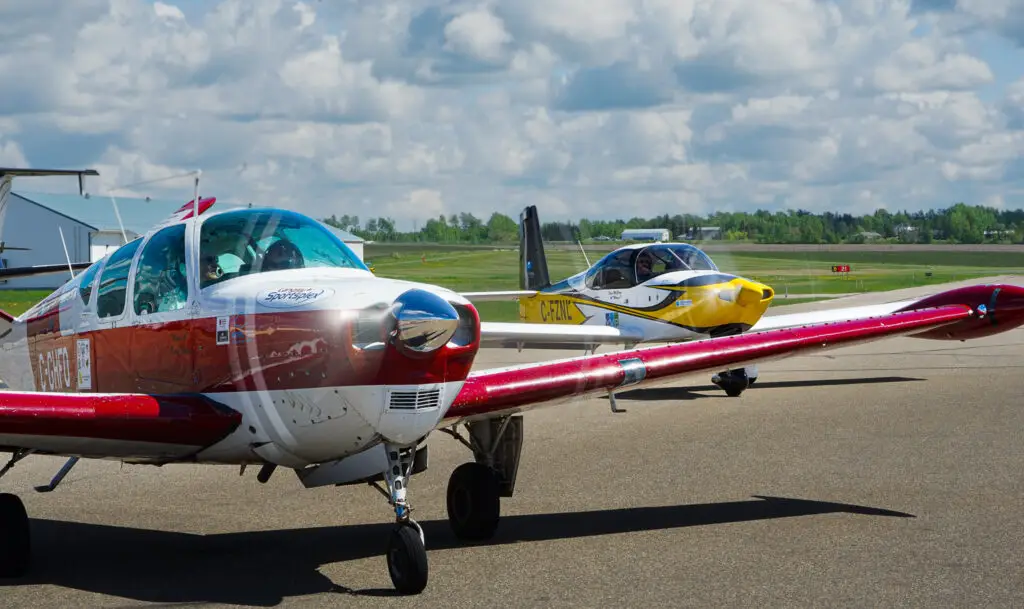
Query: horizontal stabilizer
x=15 y=172
x=41 y=269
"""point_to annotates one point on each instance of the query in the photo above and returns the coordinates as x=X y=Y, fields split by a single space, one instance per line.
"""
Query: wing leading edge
x=496 y=392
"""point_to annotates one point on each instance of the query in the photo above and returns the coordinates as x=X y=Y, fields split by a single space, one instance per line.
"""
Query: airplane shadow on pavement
x=262 y=568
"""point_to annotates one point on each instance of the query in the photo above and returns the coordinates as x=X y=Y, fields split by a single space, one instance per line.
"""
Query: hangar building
x=645 y=234
x=91 y=230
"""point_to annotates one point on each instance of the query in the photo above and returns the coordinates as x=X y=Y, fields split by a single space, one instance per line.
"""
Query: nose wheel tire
x=407 y=560
x=474 y=502
x=15 y=542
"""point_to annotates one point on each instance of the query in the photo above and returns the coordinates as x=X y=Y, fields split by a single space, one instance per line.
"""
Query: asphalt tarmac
x=889 y=474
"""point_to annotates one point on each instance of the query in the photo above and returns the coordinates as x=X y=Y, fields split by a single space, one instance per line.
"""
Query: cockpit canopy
x=626 y=268
x=250 y=241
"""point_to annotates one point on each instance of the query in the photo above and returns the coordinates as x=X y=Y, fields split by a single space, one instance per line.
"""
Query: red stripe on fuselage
x=286 y=350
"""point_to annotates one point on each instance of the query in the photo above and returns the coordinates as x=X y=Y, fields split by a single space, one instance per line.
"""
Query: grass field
x=17 y=302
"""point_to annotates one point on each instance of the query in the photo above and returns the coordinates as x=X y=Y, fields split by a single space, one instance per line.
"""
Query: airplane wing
x=789 y=320
x=498 y=392
x=132 y=427
x=552 y=336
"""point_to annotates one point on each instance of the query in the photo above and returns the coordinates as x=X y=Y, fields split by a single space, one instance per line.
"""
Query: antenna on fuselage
x=579 y=242
x=195 y=200
x=124 y=234
x=119 y=223
x=66 y=255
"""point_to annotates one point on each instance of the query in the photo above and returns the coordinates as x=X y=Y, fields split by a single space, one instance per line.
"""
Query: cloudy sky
x=598 y=108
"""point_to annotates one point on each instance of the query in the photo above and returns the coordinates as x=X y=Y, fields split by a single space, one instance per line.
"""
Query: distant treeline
x=957 y=224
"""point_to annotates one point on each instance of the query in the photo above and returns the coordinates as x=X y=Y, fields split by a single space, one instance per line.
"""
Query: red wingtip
x=997 y=308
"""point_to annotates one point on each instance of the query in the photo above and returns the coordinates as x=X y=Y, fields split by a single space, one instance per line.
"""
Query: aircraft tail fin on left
x=533 y=264
x=7 y=175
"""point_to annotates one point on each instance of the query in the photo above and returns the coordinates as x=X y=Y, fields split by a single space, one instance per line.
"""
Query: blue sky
x=597 y=108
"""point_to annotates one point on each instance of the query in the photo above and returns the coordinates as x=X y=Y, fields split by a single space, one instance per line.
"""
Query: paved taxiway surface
x=887 y=474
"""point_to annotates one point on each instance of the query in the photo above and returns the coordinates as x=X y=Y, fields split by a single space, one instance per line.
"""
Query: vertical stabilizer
x=533 y=265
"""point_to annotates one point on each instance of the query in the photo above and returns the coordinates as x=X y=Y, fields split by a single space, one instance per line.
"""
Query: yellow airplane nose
x=752 y=293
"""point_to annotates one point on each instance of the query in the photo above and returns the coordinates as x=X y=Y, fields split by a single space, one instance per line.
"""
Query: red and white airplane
x=256 y=337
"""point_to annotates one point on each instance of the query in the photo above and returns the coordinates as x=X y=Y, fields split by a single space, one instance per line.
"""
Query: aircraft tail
x=533 y=264
x=7 y=175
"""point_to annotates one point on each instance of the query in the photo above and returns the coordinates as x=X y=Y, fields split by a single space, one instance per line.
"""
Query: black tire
x=474 y=502
x=15 y=541
x=734 y=389
x=733 y=382
x=407 y=560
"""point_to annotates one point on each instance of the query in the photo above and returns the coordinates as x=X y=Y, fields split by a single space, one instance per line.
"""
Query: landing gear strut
x=475 y=489
x=406 y=551
x=735 y=382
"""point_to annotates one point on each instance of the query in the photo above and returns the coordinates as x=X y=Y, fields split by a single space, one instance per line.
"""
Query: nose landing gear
x=406 y=551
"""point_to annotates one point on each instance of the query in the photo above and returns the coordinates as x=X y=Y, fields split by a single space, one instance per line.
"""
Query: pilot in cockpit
x=282 y=255
x=644 y=267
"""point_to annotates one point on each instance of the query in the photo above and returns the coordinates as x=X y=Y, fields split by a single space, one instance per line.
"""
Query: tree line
x=959 y=223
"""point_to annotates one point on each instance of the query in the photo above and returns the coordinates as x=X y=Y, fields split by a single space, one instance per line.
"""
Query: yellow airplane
x=649 y=292
x=644 y=293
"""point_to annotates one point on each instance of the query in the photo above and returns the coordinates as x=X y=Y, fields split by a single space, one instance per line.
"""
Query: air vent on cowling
x=414 y=400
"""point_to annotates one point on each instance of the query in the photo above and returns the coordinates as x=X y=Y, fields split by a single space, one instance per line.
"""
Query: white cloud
x=477 y=33
x=168 y=11
x=11 y=154
x=918 y=66
x=606 y=108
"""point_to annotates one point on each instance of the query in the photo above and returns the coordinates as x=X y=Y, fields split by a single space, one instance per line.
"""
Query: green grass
x=16 y=302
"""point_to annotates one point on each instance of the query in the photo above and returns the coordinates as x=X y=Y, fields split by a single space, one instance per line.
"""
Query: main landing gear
x=735 y=382
x=475 y=489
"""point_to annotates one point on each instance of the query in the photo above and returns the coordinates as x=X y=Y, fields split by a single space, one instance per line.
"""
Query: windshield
x=251 y=241
x=680 y=257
